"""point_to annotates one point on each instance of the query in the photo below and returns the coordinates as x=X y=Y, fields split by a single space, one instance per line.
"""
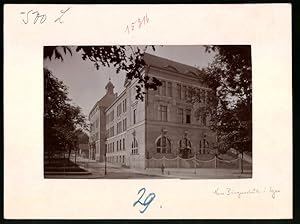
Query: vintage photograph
x=152 y=112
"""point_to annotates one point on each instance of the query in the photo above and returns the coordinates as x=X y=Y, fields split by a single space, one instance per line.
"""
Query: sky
x=87 y=84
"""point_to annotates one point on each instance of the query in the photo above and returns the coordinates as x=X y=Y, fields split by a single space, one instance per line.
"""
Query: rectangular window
x=163 y=113
x=112 y=116
x=123 y=143
x=113 y=147
x=170 y=89
x=117 y=145
x=134 y=116
x=180 y=116
x=119 y=127
x=107 y=119
x=125 y=124
x=119 y=110
x=188 y=116
x=125 y=105
x=183 y=92
x=189 y=93
x=178 y=91
x=112 y=131
x=163 y=88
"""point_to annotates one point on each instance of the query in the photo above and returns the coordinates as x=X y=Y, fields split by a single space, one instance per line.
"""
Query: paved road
x=117 y=172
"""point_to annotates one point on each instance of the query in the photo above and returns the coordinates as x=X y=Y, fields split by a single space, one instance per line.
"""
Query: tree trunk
x=75 y=155
x=70 y=149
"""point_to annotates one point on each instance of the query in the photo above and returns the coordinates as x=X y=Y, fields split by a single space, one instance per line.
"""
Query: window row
x=184 y=116
x=183 y=92
x=165 y=89
x=116 y=159
x=122 y=126
x=122 y=107
x=163 y=145
x=120 y=146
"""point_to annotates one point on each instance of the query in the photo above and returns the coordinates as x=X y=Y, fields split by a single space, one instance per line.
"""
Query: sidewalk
x=181 y=173
x=199 y=173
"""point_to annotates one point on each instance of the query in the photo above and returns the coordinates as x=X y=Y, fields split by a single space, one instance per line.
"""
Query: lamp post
x=105 y=151
x=105 y=162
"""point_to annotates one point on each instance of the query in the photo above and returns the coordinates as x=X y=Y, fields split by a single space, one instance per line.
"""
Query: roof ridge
x=171 y=61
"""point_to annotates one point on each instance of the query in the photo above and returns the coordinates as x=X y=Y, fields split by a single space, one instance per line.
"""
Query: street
x=114 y=171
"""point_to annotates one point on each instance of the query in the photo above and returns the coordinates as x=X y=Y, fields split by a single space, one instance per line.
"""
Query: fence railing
x=193 y=162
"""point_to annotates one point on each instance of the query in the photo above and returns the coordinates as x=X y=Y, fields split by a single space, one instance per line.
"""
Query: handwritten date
x=34 y=17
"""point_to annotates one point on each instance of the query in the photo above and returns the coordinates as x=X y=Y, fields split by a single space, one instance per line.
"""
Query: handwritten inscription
x=137 y=23
x=146 y=202
x=238 y=193
x=34 y=16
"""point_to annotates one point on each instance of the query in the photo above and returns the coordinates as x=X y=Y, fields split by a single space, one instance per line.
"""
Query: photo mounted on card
x=150 y=110
x=165 y=119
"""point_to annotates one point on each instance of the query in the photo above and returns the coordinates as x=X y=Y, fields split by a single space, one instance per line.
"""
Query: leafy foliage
x=123 y=58
x=63 y=122
x=230 y=101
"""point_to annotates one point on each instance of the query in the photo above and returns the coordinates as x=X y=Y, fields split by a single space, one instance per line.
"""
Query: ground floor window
x=185 y=143
x=163 y=145
x=134 y=146
x=185 y=147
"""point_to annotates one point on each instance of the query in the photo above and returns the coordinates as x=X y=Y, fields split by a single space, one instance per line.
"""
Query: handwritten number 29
x=147 y=200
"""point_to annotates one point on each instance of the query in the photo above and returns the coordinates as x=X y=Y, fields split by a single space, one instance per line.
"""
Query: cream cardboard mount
x=266 y=27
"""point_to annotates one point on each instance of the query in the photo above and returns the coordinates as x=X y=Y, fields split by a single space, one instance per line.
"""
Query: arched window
x=163 y=145
x=134 y=146
x=185 y=143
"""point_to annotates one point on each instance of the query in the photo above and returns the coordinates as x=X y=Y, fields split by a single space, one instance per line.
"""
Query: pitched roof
x=170 y=65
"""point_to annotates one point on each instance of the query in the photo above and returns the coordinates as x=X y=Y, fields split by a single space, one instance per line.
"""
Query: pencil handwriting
x=138 y=23
x=251 y=191
x=36 y=17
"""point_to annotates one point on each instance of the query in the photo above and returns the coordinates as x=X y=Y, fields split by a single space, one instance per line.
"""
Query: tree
x=63 y=122
x=125 y=58
x=229 y=102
